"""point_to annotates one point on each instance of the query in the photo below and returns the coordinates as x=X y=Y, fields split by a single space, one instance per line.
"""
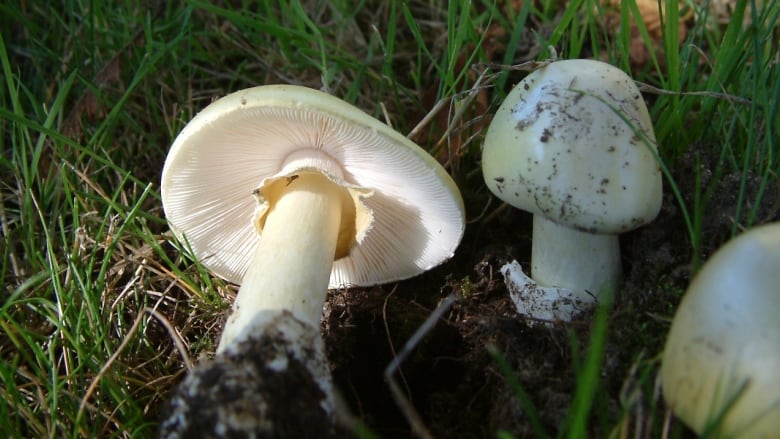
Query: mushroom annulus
x=720 y=370
x=572 y=144
x=289 y=191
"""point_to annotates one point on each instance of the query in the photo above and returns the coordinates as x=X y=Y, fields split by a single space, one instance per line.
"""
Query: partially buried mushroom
x=289 y=191
x=573 y=144
x=720 y=371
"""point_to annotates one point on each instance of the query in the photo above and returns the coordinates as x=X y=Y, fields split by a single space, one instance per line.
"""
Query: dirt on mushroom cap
x=574 y=142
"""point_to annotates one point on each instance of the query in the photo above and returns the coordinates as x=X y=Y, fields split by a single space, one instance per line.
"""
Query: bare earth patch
x=451 y=378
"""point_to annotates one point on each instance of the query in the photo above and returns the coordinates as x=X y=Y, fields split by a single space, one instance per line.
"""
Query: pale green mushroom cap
x=574 y=142
x=722 y=354
x=407 y=215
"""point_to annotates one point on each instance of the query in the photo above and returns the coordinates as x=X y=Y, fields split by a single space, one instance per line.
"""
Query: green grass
x=93 y=93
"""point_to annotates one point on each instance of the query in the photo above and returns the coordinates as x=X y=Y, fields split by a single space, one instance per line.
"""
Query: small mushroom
x=288 y=191
x=573 y=144
x=720 y=371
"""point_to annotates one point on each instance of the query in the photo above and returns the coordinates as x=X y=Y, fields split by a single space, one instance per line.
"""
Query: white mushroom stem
x=293 y=260
x=568 y=258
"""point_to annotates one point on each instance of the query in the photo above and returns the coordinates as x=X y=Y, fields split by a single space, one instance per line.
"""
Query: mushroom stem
x=576 y=260
x=293 y=260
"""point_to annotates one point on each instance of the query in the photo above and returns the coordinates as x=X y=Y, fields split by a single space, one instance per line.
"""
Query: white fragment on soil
x=543 y=304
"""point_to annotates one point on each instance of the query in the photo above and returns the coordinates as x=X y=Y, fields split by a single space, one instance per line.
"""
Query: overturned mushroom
x=573 y=144
x=288 y=191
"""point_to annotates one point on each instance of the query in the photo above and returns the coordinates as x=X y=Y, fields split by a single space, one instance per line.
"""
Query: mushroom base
x=542 y=304
x=274 y=381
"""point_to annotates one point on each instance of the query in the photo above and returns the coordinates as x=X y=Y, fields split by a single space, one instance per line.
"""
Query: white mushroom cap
x=565 y=144
x=724 y=344
x=408 y=215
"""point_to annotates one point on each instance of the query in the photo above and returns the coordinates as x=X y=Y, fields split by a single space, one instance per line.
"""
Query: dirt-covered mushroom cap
x=722 y=355
x=574 y=142
x=405 y=216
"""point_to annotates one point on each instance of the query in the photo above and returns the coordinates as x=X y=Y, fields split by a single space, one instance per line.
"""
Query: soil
x=456 y=385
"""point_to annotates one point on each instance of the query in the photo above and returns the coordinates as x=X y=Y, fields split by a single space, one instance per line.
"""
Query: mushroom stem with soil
x=289 y=191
